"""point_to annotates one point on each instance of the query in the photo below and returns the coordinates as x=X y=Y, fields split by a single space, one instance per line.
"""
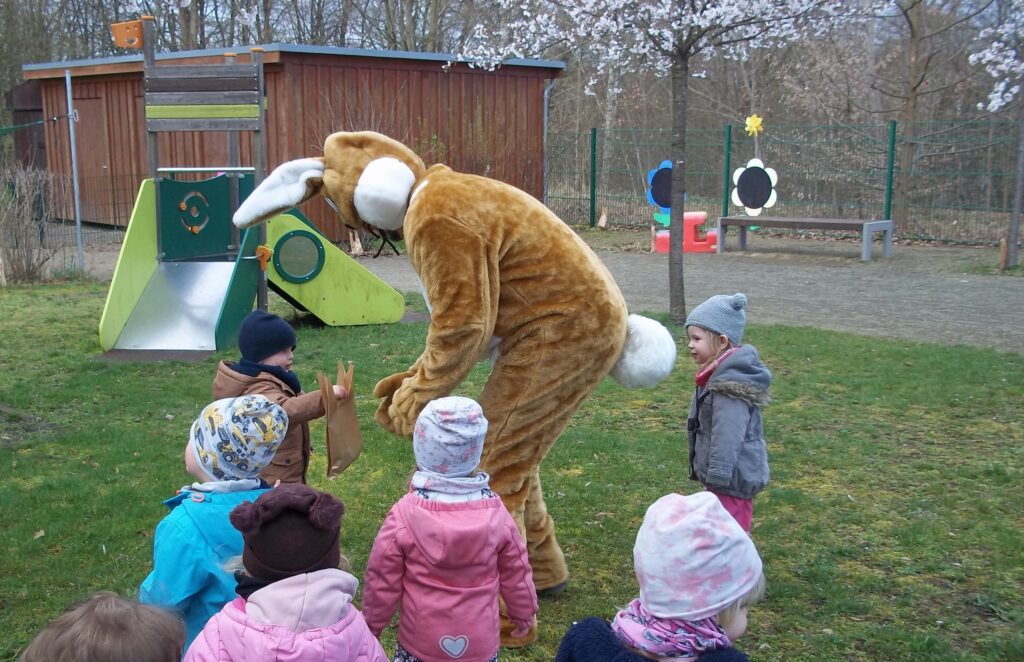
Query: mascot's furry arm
x=462 y=318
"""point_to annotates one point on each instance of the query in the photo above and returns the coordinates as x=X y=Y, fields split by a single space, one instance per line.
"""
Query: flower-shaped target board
x=755 y=187
x=659 y=191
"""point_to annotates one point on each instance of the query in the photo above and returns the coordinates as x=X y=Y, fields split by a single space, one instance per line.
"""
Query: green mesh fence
x=959 y=185
x=950 y=181
x=605 y=172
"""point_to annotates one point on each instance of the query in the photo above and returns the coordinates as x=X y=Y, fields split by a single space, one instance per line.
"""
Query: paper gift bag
x=344 y=441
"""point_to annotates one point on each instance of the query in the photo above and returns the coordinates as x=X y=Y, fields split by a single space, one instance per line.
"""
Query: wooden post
x=355 y=246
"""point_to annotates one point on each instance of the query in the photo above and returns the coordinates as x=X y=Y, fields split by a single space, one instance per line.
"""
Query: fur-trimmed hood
x=742 y=376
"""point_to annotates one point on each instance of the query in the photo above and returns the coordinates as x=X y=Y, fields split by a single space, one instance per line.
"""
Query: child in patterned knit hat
x=449 y=544
x=231 y=442
x=698 y=573
x=725 y=434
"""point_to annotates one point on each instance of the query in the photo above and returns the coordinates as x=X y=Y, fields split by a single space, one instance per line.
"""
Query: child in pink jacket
x=294 y=602
x=448 y=548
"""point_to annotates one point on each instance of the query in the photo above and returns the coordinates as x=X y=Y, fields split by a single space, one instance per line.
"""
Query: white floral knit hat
x=449 y=436
x=236 y=438
x=692 y=559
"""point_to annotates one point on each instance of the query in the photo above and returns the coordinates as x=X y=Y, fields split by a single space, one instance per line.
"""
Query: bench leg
x=743 y=237
x=866 y=237
x=720 y=247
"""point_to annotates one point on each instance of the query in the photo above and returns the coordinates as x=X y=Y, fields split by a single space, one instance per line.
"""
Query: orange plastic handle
x=263 y=254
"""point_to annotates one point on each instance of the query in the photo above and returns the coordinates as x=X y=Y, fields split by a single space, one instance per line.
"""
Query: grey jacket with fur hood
x=728 y=452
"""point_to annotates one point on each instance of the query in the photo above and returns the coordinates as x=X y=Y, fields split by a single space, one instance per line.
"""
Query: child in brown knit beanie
x=294 y=601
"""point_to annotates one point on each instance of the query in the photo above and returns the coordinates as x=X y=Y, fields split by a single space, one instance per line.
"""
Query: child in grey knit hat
x=728 y=452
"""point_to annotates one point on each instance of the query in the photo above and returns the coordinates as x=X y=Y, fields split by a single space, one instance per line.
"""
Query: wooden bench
x=867 y=229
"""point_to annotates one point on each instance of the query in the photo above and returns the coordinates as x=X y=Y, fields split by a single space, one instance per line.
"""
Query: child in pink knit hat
x=698 y=572
x=448 y=548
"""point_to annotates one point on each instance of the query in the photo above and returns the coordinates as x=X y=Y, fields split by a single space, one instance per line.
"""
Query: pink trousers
x=742 y=510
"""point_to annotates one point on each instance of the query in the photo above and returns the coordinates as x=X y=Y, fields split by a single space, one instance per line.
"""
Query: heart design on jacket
x=454 y=646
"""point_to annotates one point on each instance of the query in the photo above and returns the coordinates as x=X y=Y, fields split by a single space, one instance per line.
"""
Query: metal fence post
x=889 y=168
x=72 y=117
x=593 y=176
x=725 y=170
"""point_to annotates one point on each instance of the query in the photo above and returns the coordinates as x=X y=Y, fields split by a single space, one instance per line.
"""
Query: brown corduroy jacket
x=292 y=458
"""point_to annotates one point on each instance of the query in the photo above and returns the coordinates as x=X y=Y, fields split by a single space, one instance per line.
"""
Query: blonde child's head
x=698 y=572
x=235 y=438
x=109 y=627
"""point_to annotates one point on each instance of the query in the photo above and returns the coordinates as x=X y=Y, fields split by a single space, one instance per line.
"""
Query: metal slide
x=179 y=307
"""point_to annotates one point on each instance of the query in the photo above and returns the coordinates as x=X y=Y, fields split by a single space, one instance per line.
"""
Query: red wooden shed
x=485 y=122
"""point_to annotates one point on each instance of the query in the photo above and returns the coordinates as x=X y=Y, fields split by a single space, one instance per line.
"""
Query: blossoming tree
x=1003 y=58
x=664 y=35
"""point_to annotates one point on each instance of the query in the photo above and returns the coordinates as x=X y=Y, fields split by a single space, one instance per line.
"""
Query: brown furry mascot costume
x=504 y=278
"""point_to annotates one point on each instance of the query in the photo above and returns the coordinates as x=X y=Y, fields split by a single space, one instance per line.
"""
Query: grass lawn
x=891 y=530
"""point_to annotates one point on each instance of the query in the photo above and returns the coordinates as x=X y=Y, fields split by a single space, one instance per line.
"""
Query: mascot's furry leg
x=535 y=388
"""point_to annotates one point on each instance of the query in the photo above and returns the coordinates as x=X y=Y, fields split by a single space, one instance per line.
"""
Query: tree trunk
x=611 y=119
x=676 y=295
x=1013 y=235
x=267 y=33
x=914 y=17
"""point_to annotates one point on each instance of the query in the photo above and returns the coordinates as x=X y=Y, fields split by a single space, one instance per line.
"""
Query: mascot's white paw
x=649 y=354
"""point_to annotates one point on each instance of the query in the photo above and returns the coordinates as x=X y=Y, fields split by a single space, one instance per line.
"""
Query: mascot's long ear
x=290 y=183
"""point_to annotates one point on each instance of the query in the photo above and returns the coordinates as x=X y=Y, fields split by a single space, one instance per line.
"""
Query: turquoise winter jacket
x=190 y=548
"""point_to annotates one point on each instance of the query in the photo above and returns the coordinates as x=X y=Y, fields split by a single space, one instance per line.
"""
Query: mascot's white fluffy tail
x=648 y=356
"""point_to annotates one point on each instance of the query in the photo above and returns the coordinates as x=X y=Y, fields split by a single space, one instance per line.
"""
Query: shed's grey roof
x=289 y=48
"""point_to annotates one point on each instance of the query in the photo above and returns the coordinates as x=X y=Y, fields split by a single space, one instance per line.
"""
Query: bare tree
x=934 y=34
x=415 y=25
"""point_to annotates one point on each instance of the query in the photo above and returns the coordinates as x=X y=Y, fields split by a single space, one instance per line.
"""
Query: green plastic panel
x=136 y=264
x=241 y=293
x=343 y=292
x=202 y=111
x=195 y=218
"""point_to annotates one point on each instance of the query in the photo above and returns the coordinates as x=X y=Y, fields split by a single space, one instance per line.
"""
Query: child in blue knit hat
x=728 y=452
x=266 y=343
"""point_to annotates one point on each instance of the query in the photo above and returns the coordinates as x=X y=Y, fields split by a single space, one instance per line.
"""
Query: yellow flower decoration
x=754 y=126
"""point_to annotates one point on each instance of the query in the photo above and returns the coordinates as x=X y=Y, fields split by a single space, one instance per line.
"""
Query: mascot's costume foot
x=504 y=279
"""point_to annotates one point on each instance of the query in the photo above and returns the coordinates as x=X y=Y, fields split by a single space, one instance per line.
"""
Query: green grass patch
x=994 y=270
x=891 y=530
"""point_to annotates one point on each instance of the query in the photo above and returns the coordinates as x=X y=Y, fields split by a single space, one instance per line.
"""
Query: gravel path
x=936 y=294
x=921 y=293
